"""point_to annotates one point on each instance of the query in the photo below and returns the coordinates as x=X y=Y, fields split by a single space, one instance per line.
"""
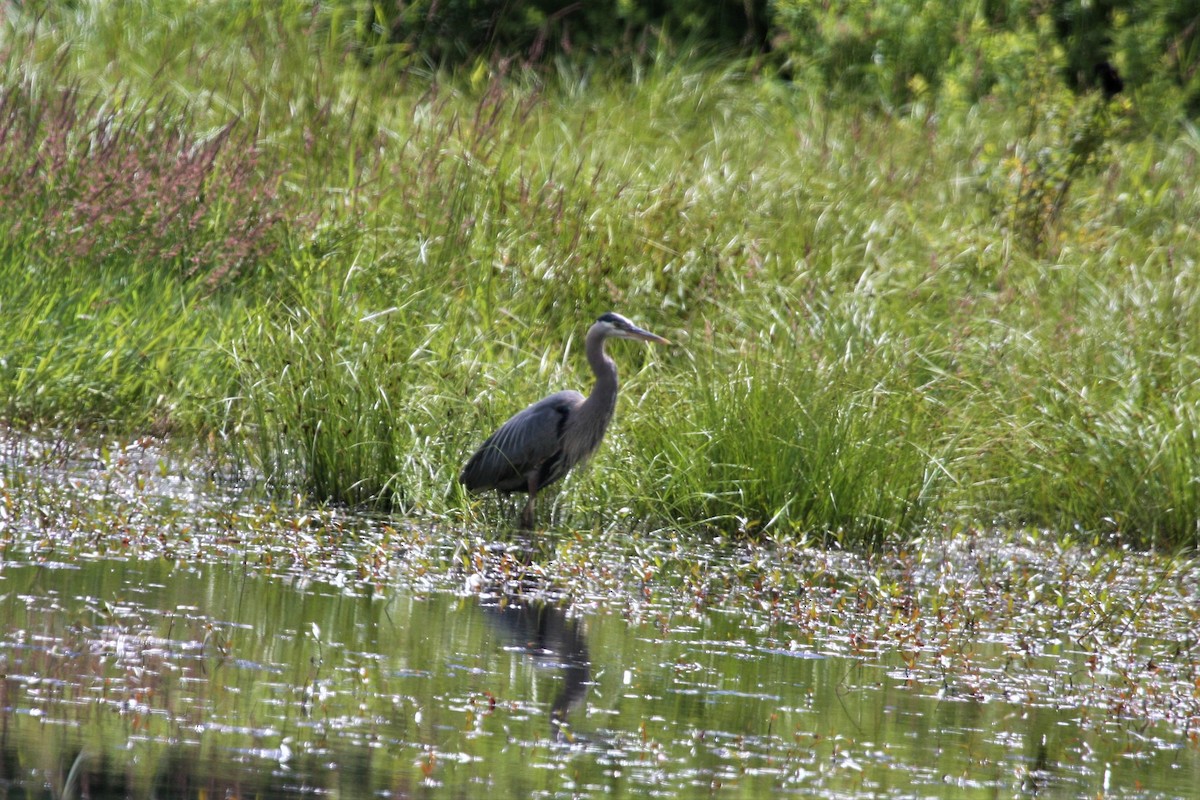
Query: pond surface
x=167 y=637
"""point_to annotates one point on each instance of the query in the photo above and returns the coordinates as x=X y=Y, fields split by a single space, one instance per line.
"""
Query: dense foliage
x=976 y=305
x=899 y=52
x=891 y=52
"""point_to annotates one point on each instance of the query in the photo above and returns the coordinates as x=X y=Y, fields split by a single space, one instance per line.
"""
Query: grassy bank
x=953 y=315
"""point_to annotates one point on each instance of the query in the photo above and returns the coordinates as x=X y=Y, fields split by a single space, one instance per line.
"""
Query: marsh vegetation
x=336 y=275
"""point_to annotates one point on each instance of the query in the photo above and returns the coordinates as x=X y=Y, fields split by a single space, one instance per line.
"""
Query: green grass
x=99 y=352
x=883 y=323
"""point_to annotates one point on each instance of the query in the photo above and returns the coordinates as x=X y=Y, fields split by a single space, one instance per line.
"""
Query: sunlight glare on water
x=166 y=678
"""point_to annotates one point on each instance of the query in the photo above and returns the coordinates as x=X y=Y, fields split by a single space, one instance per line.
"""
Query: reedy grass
x=135 y=352
x=868 y=344
x=354 y=419
x=777 y=437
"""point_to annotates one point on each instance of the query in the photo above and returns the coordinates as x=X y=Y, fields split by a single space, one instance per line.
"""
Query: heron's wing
x=521 y=445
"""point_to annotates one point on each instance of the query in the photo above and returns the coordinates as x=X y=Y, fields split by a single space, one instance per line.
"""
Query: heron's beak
x=647 y=336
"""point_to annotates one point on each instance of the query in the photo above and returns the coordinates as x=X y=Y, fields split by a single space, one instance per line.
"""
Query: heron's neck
x=604 y=393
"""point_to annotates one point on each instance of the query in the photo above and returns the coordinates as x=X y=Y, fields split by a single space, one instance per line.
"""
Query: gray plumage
x=539 y=445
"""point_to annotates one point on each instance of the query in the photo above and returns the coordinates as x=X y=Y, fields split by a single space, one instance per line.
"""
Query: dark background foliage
x=891 y=50
x=447 y=33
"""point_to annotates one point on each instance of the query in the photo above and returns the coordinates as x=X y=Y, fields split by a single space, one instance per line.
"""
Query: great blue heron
x=537 y=446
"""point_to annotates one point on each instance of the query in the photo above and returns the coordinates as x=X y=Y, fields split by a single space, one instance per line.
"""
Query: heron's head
x=613 y=324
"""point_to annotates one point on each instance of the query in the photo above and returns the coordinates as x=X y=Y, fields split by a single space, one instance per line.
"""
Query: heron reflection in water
x=552 y=639
x=539 y=445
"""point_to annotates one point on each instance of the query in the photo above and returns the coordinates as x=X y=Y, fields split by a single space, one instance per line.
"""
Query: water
x=350 y=658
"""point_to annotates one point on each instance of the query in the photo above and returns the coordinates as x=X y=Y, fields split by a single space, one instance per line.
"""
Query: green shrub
x=1067 y=138
x=896 y=52
x=890 y=52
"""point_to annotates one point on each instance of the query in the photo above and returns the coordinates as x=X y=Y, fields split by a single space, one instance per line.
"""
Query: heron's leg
x=527 y=514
